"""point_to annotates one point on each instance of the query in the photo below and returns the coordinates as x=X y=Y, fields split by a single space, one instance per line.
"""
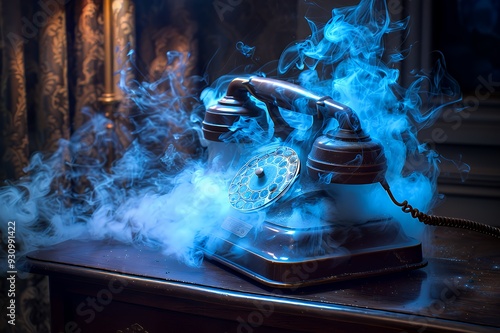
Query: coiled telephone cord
x=443 y=220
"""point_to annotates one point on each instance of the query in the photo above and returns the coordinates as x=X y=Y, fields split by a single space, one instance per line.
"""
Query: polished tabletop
x=459 y=289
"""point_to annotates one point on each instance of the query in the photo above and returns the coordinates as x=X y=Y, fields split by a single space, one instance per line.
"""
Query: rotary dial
x=264 y=179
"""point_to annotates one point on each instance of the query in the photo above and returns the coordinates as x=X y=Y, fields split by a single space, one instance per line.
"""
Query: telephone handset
x=265 y=178
x=274 y=93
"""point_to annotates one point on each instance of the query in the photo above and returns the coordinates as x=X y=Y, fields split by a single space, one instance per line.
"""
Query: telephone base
x=285 y=257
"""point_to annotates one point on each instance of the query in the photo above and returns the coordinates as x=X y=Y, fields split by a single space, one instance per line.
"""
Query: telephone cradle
x=281 y=255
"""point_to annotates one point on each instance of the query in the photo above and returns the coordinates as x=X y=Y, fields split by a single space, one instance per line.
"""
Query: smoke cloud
x=169 y=188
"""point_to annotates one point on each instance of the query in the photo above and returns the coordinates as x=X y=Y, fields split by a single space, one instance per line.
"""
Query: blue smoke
x=169 y=188
x=344 y=59
x=246 y=50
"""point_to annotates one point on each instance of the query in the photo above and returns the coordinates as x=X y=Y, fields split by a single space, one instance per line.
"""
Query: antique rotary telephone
x=280 y=253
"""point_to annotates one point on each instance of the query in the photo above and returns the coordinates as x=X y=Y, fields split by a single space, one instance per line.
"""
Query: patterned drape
x=51 y=79
x=14 y=147
x=52 y=110
x=52 y=73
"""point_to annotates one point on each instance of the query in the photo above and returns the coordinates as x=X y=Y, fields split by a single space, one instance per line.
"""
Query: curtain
x=51 y=62
x=16 y=69
x=52 y=65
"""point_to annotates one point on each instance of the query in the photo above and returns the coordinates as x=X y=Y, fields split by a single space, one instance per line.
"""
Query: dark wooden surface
x=458 y=291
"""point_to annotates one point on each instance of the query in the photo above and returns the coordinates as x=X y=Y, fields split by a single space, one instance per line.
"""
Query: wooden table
x=104 y=286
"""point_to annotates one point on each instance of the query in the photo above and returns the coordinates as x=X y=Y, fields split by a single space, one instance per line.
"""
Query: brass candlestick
x=109 y=100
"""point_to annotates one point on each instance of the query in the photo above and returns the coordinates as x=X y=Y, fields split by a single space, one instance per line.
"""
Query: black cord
x=443 y=220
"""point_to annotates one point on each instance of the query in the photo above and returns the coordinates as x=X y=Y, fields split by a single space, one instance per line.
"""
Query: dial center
x=259 y=172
